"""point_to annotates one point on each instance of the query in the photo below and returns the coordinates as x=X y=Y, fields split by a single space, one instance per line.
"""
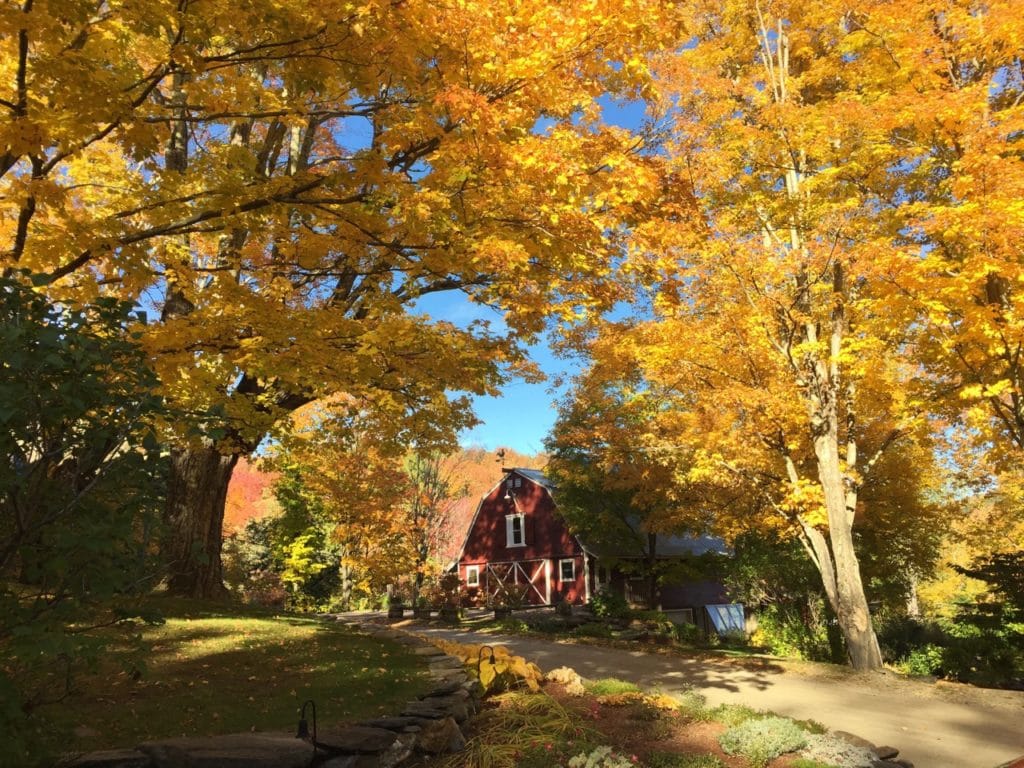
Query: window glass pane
x=568 y=570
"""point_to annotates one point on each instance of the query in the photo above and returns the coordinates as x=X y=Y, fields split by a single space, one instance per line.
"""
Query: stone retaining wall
x=429 y=725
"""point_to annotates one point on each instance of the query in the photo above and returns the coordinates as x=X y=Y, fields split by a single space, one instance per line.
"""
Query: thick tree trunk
x=194 y=516
x=848 y=599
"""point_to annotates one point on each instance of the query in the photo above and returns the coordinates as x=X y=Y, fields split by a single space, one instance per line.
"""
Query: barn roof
x=534 y=475
x=678 y=545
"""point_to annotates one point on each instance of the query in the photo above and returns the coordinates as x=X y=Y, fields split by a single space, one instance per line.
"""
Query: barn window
x=472 y=575
x=567 y=570
x=515 y=530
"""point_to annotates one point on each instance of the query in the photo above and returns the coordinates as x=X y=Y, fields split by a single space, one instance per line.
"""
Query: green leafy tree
x=80 y=482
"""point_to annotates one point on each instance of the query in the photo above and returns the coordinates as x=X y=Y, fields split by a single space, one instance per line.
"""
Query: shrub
x=601 y=757
x=786 y=631
x=672 y=760
x=693 y=705
x=688 y=633
x=834 y=751
x=735 y=714
x=593 y=629
x=610 y=686
x=608 y=604
x=926 y=660
x=81 y=481
x=762 y=740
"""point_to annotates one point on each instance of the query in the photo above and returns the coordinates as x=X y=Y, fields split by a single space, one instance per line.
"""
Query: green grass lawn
x=224 y=670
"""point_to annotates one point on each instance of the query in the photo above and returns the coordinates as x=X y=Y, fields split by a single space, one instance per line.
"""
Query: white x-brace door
x=530 y=575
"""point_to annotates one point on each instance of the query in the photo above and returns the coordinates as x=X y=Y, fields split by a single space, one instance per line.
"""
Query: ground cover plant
x=224 y=670
x=610 y=723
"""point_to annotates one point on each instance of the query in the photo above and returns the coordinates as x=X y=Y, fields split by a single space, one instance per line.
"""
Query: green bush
x=601 y=757
x=762 y=740
x=789 y=631
x=593 y=629
x=688 y=633
x=926 y=660
x=673 y=760
x=823 y=749
x=608 y=604
x=81 y=485
x=610 y=686
x=732 y=715
x=693 y=705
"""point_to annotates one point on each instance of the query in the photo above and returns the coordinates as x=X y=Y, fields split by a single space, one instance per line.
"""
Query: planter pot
x=421 y=613
x=502 y=613
x=449 y=613
x=396 y=611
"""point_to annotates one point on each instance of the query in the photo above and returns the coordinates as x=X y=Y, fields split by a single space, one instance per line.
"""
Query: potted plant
x=505 y=598
x=421 y=608
x=450 y=588
x=396 y=606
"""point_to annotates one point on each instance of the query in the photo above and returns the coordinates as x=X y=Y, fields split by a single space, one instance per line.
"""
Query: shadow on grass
x=190 y=689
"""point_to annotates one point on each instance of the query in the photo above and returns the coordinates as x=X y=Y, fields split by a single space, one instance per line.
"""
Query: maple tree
x=614 y=490
x=282 y=181
x=776 y=237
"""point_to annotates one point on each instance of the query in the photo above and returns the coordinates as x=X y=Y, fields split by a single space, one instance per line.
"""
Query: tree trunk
x=848 y=599
x=194 y=515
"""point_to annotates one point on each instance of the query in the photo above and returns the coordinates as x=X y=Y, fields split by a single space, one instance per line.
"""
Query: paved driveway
x=933 y=725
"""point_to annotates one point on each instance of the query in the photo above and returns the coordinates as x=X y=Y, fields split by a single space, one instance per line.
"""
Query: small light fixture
x=303 y=732
x=508 y=495
x=480 y=656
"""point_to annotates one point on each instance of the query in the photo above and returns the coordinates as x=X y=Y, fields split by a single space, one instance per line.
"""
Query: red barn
x=516 y=539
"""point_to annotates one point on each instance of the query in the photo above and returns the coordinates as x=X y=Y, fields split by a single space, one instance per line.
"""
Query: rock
x=886 y=753
x=396 y=724
x=350 y=761
x=447 y=687
x=424 y=710
x=857 y=741
x=452 y=705
x=113 y=758
x=398 y=752
x=387 y=634
x=356 y=739
x=439 y=663
x=448 y=691
x=238 y=750
x=445 y=675
x=428 y=650
x=440 y=738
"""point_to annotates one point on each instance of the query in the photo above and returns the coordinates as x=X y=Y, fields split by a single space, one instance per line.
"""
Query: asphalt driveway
x=935 y=725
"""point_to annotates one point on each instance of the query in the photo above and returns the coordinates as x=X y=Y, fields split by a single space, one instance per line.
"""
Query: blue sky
x=521 y=417
x=524 y=413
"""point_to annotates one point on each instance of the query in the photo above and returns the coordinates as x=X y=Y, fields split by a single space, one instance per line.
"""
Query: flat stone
x=441 y=738
x=445 y=675
x=387 y=634
x=445 y=662
x=448 y=692
x=886 y=752
x=236 y=750
x=446 y=689
x=428 y=650
x=356 y=739
x=424 y=710
x=453 y=705
x=857 y=741
x=113 y=758
x=390 y=723
x=398 y=752
x=350 y=761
